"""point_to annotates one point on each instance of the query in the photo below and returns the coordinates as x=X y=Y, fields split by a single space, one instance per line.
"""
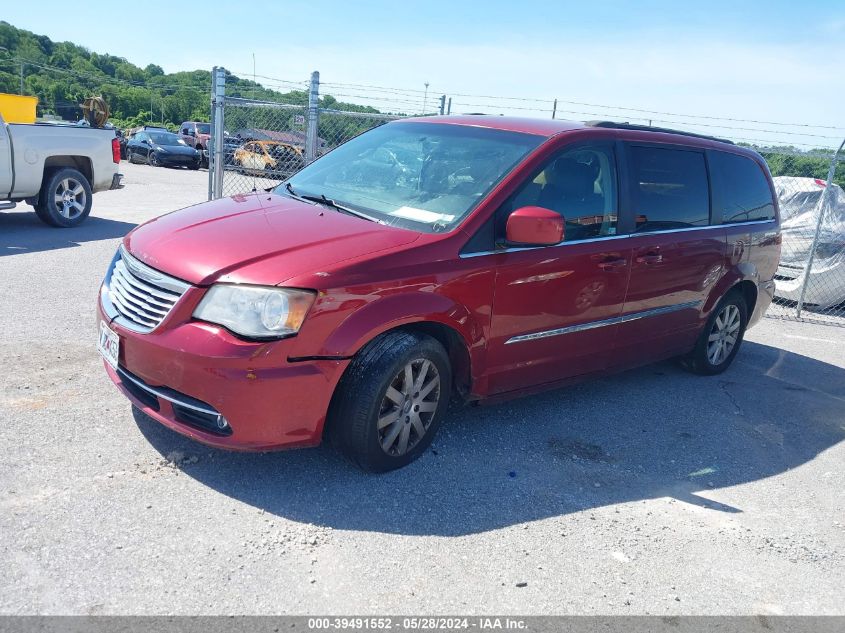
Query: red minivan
x=471 y=256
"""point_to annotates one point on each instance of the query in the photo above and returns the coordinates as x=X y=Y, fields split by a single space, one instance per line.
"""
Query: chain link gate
x=258 y=144
x=810 y=279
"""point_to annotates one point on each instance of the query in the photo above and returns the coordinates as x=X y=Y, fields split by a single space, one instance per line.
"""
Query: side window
x=741 y=192
x=580 y=184
x=669 y=188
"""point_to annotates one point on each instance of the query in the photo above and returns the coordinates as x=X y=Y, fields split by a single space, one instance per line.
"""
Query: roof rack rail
x=649 y=128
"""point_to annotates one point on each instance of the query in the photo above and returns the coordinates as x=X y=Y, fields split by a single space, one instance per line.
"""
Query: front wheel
x=391 y=401
x=153 y=160
x=721 y=338
x=65 y=199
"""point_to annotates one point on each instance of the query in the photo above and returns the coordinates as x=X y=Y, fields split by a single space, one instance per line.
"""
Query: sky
x=715 y=67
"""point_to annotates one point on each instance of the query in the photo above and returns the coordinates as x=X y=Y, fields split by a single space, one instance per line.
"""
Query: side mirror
x=535 y=226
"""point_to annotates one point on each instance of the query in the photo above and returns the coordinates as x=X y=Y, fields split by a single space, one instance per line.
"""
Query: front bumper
x=179 y=160
x=267 y=402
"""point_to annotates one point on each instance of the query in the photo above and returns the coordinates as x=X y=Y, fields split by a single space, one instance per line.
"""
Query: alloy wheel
x=724 y=335
x=70 y=198
x=408 y=407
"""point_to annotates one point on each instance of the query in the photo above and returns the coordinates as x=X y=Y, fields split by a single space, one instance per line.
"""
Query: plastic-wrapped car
x=800 y=200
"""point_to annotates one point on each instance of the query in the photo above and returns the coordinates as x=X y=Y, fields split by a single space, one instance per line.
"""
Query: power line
x=548 y=103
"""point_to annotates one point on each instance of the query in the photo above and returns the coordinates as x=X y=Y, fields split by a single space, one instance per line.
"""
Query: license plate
x=108 y=344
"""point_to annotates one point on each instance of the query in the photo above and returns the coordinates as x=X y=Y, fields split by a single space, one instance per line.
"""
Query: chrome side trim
x=703 y=228
x=159 y=394
x=590 y=325
x=517 y=249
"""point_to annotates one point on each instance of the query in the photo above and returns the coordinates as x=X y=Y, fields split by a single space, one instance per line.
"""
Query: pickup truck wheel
x=391 y=401
x=720 y=339
x=65 y=199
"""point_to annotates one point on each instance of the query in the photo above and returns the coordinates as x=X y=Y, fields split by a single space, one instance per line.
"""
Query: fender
x=736 y=273
x=392 y=311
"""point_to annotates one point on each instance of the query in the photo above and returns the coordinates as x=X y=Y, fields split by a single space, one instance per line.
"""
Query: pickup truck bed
x=32 y=156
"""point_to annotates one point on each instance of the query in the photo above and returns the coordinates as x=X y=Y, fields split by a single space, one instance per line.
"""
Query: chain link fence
x=810 y=279
x=258 y=144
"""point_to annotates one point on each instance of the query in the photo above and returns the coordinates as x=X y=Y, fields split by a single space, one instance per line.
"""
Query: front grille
x=141 y=296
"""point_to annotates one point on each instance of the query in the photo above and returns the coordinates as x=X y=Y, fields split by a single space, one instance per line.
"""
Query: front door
x=555 y=308
x=678 y=256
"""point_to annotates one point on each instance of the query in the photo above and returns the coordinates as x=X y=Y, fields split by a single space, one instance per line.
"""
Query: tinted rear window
x=741 y=192
x=670 y=189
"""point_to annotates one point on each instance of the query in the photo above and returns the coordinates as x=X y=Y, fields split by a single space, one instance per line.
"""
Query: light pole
x=425 y=97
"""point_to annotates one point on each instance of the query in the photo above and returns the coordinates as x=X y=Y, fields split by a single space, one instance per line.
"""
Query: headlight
x=255 y=312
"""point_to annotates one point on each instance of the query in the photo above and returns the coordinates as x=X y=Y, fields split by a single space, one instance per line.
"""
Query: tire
x=728 y=320
x=65 y=199
x=195 y=166
x=129 y=156
x=373 y=391
x=152 y=160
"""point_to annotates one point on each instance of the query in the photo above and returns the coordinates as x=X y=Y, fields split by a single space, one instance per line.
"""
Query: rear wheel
x=65 y=199
x=391 y=401
x=721 y=338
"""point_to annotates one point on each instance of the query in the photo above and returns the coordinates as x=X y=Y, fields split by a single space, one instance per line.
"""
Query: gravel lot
x=654 y=491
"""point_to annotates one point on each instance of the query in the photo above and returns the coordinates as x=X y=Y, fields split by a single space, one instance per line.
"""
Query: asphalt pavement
x=652 y=491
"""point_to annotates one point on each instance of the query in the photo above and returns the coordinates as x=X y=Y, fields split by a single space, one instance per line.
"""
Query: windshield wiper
x=293 y=193
x=322 y=199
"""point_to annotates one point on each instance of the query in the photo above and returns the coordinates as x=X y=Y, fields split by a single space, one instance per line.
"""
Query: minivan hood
x=258 y=239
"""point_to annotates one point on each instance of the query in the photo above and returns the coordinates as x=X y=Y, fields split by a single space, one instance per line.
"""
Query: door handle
x=650 y=259
x=613 y=263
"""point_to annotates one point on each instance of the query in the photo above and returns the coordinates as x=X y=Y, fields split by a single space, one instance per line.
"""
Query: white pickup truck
x=56 y=168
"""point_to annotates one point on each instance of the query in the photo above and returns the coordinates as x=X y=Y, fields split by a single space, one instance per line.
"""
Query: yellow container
x=17 y=108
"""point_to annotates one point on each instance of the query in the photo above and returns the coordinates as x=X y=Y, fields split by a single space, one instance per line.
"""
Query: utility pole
x=425 y=97
x=449 y=108
x=442 y=105
x=554 y=109
x=21 y=78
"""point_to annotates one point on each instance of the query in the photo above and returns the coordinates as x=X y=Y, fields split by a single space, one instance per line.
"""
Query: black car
x=162 y=149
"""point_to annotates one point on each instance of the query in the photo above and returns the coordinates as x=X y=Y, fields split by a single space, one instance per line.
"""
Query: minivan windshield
x=421 y=176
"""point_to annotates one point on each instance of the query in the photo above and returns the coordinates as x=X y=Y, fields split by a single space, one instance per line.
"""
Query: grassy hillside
x=62 y=74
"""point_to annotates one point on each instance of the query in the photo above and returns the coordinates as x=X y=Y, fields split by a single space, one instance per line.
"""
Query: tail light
x=115 y=150
x=821 y=183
